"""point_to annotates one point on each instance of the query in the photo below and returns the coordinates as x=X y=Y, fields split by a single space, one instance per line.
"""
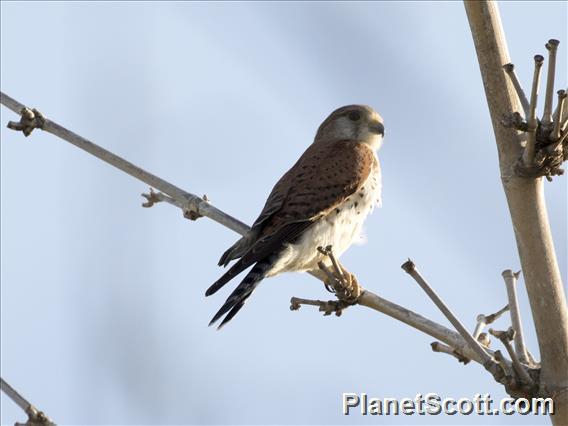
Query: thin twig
x=483 y=320
x=410 y=268
x=191 y=201
x=533 y=361
x=552 y=47
x=192 y=213
x=564 y=114
x=13 y=394
x=528 y=153
x=511 y=284
x=555 y=135
x=507 y=369
x=440 y=347
x=327 y=307
x=553 y=147
x=35 y=417
x=510 y=70
x=506 y=337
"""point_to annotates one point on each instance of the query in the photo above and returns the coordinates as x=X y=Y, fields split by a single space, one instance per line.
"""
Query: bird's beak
x=377 y=127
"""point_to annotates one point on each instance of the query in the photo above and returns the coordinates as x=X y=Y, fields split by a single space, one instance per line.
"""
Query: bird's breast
x=339 y=228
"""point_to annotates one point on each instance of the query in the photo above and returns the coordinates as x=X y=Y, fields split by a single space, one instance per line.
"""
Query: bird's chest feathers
x=339 y=228
x=343 y=225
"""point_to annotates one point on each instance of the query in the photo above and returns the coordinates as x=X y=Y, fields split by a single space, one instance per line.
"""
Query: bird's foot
x=347 y=289
x=338 y=281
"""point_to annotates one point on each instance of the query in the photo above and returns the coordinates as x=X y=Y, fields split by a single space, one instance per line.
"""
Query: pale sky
x=104 y=319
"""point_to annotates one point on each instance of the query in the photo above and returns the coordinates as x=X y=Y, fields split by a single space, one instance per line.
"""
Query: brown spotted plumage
x=322 y=200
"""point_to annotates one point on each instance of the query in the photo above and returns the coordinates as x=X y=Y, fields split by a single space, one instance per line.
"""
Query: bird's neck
x=374 y=142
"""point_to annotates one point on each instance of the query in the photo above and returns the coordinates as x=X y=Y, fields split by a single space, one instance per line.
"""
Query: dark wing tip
x=215 y=287
x=209 y=292
x=231 y=314
x=223 y=259
x=216 y=317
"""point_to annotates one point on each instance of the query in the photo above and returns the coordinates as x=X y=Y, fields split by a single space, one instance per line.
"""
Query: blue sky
x=104 y=320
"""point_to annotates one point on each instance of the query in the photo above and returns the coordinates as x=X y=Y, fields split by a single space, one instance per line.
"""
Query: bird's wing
x=325 y=175
x=272 y=205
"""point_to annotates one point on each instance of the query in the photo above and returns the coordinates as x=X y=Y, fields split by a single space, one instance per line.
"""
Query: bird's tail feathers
x=236 y=250
x=239 y=296
x=233 y=271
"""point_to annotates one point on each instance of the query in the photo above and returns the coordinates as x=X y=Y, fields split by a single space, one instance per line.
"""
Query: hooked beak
x=376 y=127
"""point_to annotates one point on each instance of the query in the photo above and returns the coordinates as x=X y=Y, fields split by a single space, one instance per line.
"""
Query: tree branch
x=527 y=207
x=410 y=269
x=511 y=284
x=183 y=199
x=484 y=320
x=35 y=417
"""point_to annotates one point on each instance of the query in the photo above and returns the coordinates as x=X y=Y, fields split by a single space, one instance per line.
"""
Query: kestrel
x=322 y=200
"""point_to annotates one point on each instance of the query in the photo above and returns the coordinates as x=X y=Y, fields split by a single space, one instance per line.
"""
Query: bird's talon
x=328 y=286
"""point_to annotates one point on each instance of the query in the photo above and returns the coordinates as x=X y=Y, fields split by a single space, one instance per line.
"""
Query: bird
x=322 y=200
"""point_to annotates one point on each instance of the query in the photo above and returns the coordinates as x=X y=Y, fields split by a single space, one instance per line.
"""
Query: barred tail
x=239 y=296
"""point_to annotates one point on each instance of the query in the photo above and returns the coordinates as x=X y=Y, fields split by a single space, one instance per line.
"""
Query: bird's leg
x=351 y=285
x=344 y=283
x=337 y=280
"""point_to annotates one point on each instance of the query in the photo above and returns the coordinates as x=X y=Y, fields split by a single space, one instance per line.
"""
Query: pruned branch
x=552 y=47
x=35 y=417
x=545 y=149
x=517 y=326
x=484 y=320
x=328 y=307
x=185 y=200
x=523 y=377
x=486 y=360
x=525 y=197
x=440 y=347
x=510 y=70
x=528 y=153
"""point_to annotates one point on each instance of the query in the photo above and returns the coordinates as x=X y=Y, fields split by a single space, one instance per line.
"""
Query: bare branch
x=327 y=307
x=510 y=70
x=506 y=337
x=30 y=119
x=440 y=347
x=509 y=378
x=552 y=47
x=511 y=284
x=35 y=417
x=527 y=207
x=483 y=320
x=555 y=135
x=410 y=269
x=564 y=115
x=191 y=202
x=528 y=154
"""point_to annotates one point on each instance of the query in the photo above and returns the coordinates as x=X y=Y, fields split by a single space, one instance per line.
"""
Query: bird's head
x=355 y=122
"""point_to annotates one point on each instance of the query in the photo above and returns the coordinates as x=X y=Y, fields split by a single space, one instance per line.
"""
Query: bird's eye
x=354 y=115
